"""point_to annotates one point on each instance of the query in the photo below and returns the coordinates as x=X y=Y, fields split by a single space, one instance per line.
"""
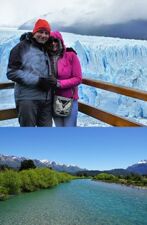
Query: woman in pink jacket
x=65 y=66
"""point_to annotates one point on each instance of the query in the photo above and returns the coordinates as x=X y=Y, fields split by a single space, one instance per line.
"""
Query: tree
x=27 y=164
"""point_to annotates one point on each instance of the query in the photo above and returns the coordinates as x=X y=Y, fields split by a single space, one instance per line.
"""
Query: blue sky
x=91 y=148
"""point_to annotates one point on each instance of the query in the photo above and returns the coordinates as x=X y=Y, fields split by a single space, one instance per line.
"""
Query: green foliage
x=47 y=177
x=29 y=180
x=64 y=177
x=12 y=182
x=144 y=181
x=105 y=177
x=27 y=164
x=3 y=193
x=4 y=167
x=132 y=179
x=39 y=178
x=1 y=178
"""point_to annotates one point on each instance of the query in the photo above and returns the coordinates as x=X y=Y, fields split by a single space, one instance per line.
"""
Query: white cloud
x=121 y=11
x=16 y=12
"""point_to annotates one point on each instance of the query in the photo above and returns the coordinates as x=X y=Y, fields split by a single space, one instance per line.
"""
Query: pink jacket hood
x=58 y=35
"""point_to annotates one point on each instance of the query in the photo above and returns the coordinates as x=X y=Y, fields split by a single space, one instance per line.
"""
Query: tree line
x=131 y=179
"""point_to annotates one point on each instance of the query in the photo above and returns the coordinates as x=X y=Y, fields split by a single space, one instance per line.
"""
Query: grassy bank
x=14 y=182
x=131 y=180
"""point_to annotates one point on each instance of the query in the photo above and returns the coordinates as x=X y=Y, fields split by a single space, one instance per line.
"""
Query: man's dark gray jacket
x=28 y=62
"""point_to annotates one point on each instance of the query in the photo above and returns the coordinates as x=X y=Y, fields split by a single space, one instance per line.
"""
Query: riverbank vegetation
x=14 y=182
x=132 y=179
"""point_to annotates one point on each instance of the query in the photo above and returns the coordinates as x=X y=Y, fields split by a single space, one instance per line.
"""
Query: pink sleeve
x=76 y=78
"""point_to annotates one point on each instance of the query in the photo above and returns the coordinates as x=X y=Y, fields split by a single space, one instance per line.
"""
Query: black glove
x=46 y=83
x=43 y=84
x=52 y=81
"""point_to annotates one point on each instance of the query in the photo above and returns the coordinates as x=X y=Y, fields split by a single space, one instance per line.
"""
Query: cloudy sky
x=95 y=17
x=15 y=12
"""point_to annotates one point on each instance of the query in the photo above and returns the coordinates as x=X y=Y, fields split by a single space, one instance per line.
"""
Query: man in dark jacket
x=29 y=68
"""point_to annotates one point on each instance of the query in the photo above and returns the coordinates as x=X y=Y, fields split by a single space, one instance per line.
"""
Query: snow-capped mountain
x=115 y=60
x=11 y=161
x=142 y=162
x=15 y=162
x=140 y=167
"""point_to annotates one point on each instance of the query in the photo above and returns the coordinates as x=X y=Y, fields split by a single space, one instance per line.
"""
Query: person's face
x=54 y=44
x=41 y=36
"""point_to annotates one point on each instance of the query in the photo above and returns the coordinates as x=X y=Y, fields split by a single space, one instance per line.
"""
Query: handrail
x=106 y=117
x=6 y=85
x=127 y=91
x=7 y=114
x=119 y=89
x=97 y=113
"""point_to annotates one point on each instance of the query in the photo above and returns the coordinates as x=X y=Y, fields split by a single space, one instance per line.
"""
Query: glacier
x=115 y=60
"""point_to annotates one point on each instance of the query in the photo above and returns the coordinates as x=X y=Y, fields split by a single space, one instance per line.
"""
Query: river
x=80 y=202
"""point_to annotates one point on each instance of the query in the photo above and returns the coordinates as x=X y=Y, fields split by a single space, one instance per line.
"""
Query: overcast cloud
x=16 y=12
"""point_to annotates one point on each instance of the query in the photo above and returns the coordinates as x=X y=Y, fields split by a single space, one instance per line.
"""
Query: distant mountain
x=93 y=173
x=11 y=161
x=15 y=162
x=134 y=29
x=139 y=168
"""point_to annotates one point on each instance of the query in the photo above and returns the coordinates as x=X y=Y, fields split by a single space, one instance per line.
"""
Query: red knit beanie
x=41 y=25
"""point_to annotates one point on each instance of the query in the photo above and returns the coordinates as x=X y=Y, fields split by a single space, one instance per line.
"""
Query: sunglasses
x=52 y=39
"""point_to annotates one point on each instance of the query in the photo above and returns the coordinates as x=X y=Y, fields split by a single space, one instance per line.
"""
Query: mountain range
x=15 y=162
x=133 y=29
x=139 y=168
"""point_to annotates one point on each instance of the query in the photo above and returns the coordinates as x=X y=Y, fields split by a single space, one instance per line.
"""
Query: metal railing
x=107 y=117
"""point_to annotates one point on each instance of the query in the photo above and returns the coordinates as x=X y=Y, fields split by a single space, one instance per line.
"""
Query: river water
x=80 y=202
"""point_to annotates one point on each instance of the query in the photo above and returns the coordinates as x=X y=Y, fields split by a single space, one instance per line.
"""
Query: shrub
x=3 y=193
x=106 y=177
x=29 y=180
x=11 y=181
x=47 y=177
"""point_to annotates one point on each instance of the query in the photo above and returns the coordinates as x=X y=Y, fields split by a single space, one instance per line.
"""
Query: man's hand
x=52 y=81
x=45 y=84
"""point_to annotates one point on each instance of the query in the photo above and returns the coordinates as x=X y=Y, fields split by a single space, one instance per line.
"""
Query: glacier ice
x=115 y=60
